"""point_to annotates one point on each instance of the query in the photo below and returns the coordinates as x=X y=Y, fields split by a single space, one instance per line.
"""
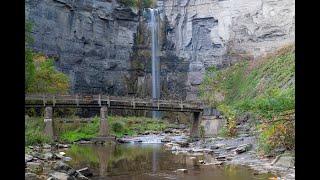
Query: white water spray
x=154 y=22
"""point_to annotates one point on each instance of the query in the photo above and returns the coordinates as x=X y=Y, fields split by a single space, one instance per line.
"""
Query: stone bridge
x=104 y=102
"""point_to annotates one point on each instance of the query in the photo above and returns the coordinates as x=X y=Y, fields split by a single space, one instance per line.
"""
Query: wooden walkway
x=111 y=102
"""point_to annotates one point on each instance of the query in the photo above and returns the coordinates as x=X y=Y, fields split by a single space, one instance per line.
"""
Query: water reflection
x=150 y=161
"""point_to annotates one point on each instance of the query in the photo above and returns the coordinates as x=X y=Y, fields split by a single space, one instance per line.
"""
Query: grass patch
x=265 y=88
x=118 y=126
x=34 y=127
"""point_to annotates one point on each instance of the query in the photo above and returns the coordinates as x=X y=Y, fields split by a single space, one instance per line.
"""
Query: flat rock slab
x=285 y=161
x=60 y=176
x=30 y=176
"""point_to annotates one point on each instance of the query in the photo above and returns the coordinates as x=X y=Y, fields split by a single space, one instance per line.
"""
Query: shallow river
x=150 y=161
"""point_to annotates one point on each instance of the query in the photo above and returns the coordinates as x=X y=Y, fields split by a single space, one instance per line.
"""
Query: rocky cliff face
x=105 y=49
x=91 y=40
x=212 y=32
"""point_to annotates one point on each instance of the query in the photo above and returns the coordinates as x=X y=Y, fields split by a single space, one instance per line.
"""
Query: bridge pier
x=194 y=133
x=103 y=122
x=48 y=130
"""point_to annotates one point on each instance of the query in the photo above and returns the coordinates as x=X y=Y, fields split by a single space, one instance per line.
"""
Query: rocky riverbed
x=240 y=150
x=50 y=161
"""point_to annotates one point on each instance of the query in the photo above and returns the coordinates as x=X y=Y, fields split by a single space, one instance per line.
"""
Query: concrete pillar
x=194 y=133
x=48 y=130
x=103 y=122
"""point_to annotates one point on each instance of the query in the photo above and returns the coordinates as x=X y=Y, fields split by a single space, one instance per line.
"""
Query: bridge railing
x=98 y=99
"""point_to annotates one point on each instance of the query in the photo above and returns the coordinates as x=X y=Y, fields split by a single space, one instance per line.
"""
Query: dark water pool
x=150 y=161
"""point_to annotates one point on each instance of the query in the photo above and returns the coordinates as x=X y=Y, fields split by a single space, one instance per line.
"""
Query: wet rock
x=182 y=170
x=85 y=171
x=60 y=176
x=62 y=153
x=123 y=140
x=183 y=144
x=35 y=167
x=243 y=148
x=64 y=168
x=137 y=141
x=168 y=131
x=166 y=139
x=30 y=176
x=27 y=158
x=63 y=145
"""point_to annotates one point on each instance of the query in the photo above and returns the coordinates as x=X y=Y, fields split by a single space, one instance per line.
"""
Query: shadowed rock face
x=94 y=41
x=91 y=39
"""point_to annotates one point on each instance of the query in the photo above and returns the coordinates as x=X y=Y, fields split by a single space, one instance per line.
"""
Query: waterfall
x=154 y=23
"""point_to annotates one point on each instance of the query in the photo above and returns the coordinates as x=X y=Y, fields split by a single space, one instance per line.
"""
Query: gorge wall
x=105 y=47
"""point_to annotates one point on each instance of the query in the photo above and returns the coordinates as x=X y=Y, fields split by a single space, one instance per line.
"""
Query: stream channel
x=151 y=160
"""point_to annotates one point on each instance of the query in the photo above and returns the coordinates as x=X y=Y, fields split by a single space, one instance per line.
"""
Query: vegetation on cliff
x=40 y=73
x=264 y=88
x=138 y=3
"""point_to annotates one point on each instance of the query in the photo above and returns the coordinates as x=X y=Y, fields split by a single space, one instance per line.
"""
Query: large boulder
x=284 y=161
x=60 y=176
x=243 y=148
x=63 y=167
x=66 y=169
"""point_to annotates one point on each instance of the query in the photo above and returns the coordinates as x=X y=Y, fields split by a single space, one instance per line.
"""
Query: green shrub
x=264 y=88
x=138 y=3
x=34 y=131
x=117 y=127
x=40 y=73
